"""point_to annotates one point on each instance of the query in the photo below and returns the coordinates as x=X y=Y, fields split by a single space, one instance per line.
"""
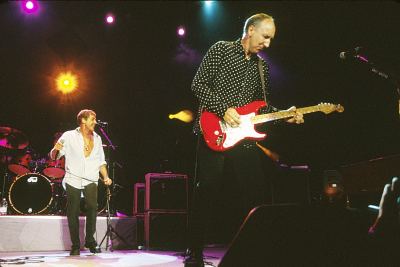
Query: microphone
x=101 y=123
x=353 y=54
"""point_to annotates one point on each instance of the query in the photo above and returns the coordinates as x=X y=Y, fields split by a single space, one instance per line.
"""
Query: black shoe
x=75 y=252
x=93 y=248
x=194 y=258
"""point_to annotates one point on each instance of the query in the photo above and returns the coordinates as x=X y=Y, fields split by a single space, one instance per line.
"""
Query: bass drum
x=30 y=193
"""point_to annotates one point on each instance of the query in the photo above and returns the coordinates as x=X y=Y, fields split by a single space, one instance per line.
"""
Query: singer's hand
x=58 y=146
x=107 y=181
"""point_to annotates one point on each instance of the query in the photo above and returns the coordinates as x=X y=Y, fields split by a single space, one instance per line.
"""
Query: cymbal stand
x=110 y=230
x=5 y=178
x=3 y=188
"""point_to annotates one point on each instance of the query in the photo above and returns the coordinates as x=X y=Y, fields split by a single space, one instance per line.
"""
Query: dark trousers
x=245 y=162
x=73 y=211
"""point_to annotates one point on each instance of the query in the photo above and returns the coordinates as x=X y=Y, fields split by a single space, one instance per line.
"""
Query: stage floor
x=120 y=258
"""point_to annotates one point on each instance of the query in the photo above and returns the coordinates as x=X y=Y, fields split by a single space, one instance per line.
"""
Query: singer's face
x=261 y=35
x=90 y=122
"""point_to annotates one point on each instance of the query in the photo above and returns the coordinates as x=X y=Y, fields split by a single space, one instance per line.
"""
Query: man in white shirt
x=84 y=159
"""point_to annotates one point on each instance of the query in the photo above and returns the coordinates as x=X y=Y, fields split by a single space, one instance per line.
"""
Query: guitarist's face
x=260 y=35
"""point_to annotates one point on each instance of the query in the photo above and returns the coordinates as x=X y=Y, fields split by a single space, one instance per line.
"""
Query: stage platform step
x=50 y=233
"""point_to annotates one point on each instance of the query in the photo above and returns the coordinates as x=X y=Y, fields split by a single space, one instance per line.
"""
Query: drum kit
x=33 y=183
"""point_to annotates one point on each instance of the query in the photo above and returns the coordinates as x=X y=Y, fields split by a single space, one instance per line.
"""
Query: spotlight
x=30 y=6
x=66 y=82
x=110 y=19
x=184 y=115
x=181 y=31
x=208 y=3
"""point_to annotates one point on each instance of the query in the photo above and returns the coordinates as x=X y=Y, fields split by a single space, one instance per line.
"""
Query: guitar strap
x=260 y=69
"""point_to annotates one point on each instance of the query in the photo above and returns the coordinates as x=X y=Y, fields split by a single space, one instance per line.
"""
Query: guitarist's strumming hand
x=297 y=118
x=232 y=117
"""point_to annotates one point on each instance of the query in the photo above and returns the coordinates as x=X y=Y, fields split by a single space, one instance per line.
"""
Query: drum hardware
x=59 y=204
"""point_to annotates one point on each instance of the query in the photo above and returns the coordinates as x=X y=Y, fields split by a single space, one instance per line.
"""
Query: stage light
x=30 y=6
x=208 y=3
x=181 y=31
x=110 y=19
x=66 y=82
x=184 y=115
x=210 y=9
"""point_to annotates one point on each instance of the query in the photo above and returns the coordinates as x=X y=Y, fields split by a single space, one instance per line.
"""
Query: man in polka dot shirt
x=229 y=77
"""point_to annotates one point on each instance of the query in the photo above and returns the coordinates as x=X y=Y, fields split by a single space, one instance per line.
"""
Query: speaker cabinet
x=166 y=192
x=292 y=185
x=299 y=235
x=165 y=230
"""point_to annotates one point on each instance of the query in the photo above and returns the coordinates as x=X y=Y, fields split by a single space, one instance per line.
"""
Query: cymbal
x=12 y=138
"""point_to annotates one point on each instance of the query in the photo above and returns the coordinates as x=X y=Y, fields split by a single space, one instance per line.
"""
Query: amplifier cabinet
x=165 y=230
x=166 y=192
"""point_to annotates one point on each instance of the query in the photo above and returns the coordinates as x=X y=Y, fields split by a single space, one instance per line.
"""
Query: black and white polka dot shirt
x=226 y=79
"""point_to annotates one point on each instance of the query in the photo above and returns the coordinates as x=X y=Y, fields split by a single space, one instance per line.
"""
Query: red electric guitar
x=219 y=136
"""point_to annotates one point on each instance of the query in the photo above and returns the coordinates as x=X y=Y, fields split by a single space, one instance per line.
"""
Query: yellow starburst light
x=67 y=82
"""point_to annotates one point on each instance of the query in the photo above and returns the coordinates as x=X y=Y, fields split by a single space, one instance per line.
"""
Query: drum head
x=18 y=169
x=55 y=168
x=54 y=172
x=30 y=193
x=20 y=164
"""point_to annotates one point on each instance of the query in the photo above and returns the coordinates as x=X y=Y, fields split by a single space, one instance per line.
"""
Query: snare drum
x=55 y=169
x=30 y=193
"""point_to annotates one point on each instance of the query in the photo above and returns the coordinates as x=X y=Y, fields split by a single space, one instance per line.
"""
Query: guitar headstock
x=329 y=108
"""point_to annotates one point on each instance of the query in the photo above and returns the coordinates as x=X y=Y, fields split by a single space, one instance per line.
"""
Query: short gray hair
x=255 y=20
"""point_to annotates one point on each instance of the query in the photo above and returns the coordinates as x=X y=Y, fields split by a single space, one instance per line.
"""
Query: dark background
x=137 y=71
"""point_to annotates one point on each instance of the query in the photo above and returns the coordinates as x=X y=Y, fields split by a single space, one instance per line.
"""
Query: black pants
x=73 y=211
x=245 y=162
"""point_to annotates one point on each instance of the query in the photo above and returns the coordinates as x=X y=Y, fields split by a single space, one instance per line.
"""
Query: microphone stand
x=379 y=72
x=107 y=154
x=110 y=229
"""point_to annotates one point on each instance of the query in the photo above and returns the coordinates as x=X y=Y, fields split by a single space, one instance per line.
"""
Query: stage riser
x=49 y=233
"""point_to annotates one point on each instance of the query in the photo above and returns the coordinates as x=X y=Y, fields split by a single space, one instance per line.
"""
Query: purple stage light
x=30 y=6
x=110 y=19
x=181 y=31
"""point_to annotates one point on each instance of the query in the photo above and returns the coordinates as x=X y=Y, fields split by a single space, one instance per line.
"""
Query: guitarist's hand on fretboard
x=297 y=118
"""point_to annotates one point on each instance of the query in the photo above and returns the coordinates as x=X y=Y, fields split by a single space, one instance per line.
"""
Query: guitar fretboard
x=283 y=114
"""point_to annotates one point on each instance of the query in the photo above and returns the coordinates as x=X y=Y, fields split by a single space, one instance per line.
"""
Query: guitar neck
x=283 y=114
